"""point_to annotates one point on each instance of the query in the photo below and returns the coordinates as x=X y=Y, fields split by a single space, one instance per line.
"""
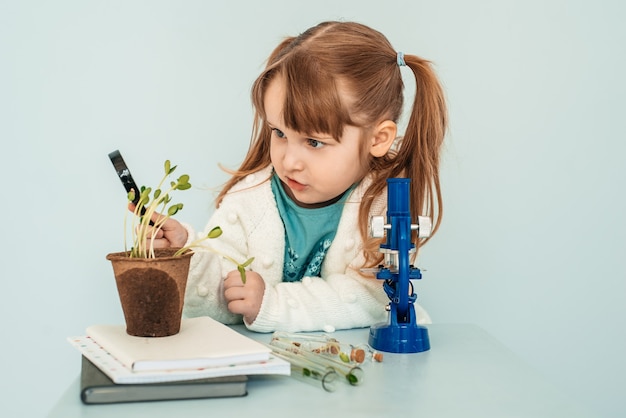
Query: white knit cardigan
x=341 y=298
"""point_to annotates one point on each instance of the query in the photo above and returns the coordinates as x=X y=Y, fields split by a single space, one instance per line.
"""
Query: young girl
x=324 y=142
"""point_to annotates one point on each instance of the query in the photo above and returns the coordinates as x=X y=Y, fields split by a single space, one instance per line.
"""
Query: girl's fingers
x=233 y=279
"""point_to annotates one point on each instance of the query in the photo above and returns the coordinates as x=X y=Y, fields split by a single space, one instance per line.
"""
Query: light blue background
x=531 y=247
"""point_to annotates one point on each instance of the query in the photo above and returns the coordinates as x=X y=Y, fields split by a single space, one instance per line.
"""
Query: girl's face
x=314 y=167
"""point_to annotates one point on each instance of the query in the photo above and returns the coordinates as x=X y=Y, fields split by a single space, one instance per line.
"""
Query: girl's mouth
x=294 y=185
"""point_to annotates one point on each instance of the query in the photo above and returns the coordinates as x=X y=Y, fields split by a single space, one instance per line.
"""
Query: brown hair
x=361 y=61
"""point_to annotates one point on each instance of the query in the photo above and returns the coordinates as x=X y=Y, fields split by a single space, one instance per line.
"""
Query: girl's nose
x=292 y=160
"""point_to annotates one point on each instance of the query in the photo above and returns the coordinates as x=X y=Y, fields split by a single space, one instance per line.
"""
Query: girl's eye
x=278 y=133
x=314 y=143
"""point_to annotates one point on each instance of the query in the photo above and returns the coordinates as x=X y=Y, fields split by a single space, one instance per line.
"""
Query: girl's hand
x=244 y=299
x=171 y=233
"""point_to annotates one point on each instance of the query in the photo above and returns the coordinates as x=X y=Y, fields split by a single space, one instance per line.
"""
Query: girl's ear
x=382 y=138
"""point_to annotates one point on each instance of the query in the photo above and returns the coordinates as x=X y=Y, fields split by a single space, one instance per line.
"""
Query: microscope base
x=399 y=338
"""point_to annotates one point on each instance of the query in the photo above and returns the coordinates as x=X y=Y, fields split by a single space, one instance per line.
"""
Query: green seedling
x=157 y=208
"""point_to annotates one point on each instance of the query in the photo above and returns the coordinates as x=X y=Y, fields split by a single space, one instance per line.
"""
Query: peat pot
x=152 y=291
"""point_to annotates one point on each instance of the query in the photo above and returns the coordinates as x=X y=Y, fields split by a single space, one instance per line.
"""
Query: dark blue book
x=97 y=388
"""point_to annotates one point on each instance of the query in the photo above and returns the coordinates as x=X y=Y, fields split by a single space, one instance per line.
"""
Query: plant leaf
x=144 y=198
x=146 y=190
x=168 y=168
x=215 y=232
x=174 y=209
x=248 y=262
x=242 y=272
x=183 y=182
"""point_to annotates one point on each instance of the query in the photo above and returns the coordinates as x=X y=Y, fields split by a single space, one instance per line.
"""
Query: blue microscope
x=401 y=333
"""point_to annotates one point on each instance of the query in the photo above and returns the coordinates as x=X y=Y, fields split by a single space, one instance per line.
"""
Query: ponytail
x=416 y=156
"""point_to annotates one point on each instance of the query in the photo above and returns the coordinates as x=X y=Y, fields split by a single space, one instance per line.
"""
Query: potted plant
x=151 y=282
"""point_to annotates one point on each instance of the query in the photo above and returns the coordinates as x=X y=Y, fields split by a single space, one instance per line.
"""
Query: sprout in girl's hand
x=214 y=233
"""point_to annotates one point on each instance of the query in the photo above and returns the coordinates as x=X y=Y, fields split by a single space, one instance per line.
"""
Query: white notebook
x=202 y=342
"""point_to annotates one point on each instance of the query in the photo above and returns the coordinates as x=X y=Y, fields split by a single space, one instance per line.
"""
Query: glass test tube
x=351 y=371
x=308 y=371
x=325 y=344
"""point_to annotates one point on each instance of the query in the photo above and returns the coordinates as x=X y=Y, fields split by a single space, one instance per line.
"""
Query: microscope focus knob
x=377 y=226
x=425 y=226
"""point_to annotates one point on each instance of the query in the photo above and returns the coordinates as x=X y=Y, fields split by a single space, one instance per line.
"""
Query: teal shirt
x=308 y=233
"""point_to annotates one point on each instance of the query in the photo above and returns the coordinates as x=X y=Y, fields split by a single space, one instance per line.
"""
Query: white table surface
x=466 y=373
